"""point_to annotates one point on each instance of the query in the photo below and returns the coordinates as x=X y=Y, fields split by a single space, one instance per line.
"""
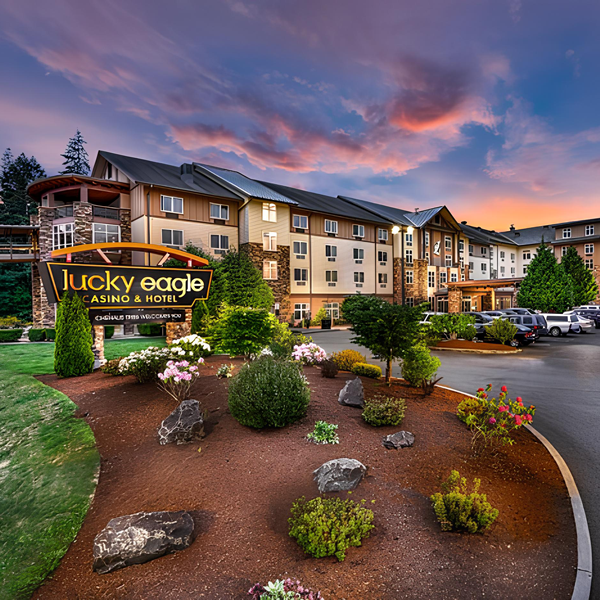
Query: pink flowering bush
x=283 y=590
x=309 y=354
x=493 y=421
x=178 y=377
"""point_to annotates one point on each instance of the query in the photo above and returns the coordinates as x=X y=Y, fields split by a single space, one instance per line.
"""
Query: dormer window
x=566 y=233
x=171 y=204
x=269 y=212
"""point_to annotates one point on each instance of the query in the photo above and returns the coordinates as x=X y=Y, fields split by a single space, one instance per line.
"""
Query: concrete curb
x=583 y=581
x=475 y=351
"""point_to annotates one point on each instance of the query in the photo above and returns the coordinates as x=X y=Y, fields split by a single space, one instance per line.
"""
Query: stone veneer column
x=420 y=280
x=398 y=281
x=125 y=215
x=98 y=343
x=486 y=301
x=596 y=272
x=43 y=311
x=82 y=217
x=179 y=330
x=454 y=300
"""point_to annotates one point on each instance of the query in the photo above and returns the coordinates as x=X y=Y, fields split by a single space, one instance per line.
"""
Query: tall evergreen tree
x=245 y=284
x=547 y=287
x=584 y=285
x=76 y=157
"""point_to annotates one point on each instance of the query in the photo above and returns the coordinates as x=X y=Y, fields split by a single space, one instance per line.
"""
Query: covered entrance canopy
x=484 y=294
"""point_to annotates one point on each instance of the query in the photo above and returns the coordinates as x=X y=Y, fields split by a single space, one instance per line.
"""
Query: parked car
x=561 y=324
x=595 y=307
x=521 y=311
x=536 y=323
x=523 y=337
x=592 y=315
x=585 y=323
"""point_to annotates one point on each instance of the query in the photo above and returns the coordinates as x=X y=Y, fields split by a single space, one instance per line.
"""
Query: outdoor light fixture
x=395 y=229
x=409 y=229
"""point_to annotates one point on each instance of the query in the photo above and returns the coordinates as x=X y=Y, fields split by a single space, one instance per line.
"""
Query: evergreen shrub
x=36 y=335
x=346 y=358
x=153 y=329
x=73 y=354
x=269 y=393
x=382 y=410
x=10 y=335
x=419 y=367
x=366 y=370
x=50 y=333
x=109 y=331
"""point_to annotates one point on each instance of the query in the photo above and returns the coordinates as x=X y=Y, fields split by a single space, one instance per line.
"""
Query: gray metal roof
x=244 y=185
x=577 y=240
x=140 y=170
x=583 y=222
x=484 y=236
x=530 y=235
x=422 y=217
x=392 y=214
x=326 y=204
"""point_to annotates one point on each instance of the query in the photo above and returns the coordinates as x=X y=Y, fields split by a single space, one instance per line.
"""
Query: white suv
x=561 y=324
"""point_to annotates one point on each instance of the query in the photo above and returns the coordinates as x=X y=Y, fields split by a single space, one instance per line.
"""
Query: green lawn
x=48 y=465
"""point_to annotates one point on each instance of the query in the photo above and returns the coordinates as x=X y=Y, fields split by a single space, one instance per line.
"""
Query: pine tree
x=245 y=284
x=73 y=355
x=547 y=287
x=584 y=285
x=76 y=157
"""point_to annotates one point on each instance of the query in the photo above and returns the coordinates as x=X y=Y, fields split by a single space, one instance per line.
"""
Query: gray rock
x=352 y=393
x=339 y=475
x=183 y=425
x=138 y=538
x=402 y=439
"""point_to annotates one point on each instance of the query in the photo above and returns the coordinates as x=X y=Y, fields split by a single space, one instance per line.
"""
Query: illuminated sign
x=112 y=287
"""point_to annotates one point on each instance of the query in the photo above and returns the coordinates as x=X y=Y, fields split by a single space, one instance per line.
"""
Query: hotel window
x=461 y=245
x=471 y=265
x=408 y=256
x=382 y=256
x=301 y=276
x=527 y=255
x=300 y=249
x=408 y=239
x=358 y=231
x=300 y=222
x=566 y=232
x=502 y=254
x=564 y=250
x=62 y=235
x=301 y=310
x=219 y=243
x=383 y=235
x=332 y=309
x=359 y=253
x=525 y=270
x=589 y=248
x=448 y=260
x=171 y=204
x=461 y=261
x=589 y=263
x=382 y=277
x=470 y=250
x=431 y=279
x=359 y=277
x=513 y=256
x=443 y=277
x=484 y=251
x=427 y=238
x=466 y=304
x=483 y=268
x=453 y=277
x=270 y=241
x=513 y=270
x=331 y=276
x=331 y=226
x=410 y=301
x=219 y=211
x=448 y=242
x=502 y=270
x=427 y=257
x=172 y=237
x=269 y=269
x=111 y=233
x=330 y=252
x=409 y=276
x=589 y=230
x=269 y=212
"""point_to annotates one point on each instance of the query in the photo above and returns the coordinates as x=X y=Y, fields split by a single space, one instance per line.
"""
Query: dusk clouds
x=440 y=102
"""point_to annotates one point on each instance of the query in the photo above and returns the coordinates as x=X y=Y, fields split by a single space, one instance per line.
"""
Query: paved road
x=562 y=378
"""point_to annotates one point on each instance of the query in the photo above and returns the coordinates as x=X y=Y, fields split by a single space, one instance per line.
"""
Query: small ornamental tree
x=76 y=157
x=582 y=279
x=387 y=330
x=73 y=354
x=547 y=286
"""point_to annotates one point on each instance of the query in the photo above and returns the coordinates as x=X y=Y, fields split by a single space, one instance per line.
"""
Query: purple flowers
x=177 y=378
x=309 y=354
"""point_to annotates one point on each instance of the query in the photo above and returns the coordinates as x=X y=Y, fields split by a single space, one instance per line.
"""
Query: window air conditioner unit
x=331 y=284
x=358 y=262
x=331 y=258
x=300 y=256
x=359 y=285
x=300 y=282
x=382 y=264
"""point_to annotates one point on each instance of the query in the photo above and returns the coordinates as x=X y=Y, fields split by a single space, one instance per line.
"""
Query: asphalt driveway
x=561 y=376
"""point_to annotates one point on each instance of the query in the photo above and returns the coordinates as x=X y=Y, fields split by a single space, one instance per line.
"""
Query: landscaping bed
x=241 y=485
x=466 y=345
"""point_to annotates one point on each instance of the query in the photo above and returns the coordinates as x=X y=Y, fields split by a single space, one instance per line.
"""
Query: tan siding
x=257 y=226
x=138 y=202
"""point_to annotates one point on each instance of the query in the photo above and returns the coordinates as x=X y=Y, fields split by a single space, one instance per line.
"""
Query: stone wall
x=282 y=285
x=179 y=330
x=43 y=311
x=125 y=215
x=417 y=290
x=454 y=300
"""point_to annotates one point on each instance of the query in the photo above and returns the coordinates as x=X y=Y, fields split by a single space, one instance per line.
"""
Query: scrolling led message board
x=109 y=287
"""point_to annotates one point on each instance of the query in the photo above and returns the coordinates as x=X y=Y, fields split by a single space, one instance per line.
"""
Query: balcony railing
x=105 y=213
x=63 y=211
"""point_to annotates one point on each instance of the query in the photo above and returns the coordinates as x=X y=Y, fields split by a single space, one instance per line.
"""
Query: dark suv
x=536 y=323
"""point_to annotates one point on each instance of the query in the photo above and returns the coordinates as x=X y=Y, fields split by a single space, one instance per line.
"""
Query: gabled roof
x=240 y=184
x=484 y=236
x=325 y=204
x=424 y=216
x=140 y=170
x=392 y=214
x=531 y=235
x=582 y=222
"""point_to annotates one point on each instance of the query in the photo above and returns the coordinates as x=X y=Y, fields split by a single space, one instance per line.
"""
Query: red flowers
x=492 y=420
x=481 y=390
x=504 y=389
x=518 y=420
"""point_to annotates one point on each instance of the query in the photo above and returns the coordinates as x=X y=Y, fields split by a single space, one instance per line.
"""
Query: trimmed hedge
x=109 y=331
x=10 y=335
x=366 y=370
x=36 y=335
x=51 y=334
x=150 y=329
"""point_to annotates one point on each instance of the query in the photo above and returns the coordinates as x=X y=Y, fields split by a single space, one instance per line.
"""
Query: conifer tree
x=245 y=284
x=73 y=355
x=547 y=287
x=76 y=157
x=583 y=283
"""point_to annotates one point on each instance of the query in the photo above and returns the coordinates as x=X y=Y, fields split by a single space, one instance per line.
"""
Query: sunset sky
x=491 y=107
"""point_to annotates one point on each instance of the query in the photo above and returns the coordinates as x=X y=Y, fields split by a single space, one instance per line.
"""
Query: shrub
x=494 y=421
x=151 y=329
x=50 y=333
x=321 y=314
x=73 y=354
x=284 y=341
x=468 y=407
x=347 y=358
x=501 y=330
x=178 y=377
x=309 y=354
x=458 y=510
x=268 y=393
x=329 y=369
x=329 y=526
x=225 y=371
x=382 y=410
x=191 y=347
x=419 y=367
x=10 y=335
x=452 y=326
x=111 y=367
x=36 y=335
x=200 y=317
x=366 y=370
x=324 y=433
x=283 y=590
x=10 y=322
x=145 y=365
x=109 y=331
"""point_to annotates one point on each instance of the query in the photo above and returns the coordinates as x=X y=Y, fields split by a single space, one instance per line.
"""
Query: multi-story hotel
x=313 y=250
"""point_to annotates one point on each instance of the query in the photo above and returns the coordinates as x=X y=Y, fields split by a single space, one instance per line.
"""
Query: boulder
x=138 y=538
x=339 y=475
x=352 y=393
x=402 y=439
x=183 y=425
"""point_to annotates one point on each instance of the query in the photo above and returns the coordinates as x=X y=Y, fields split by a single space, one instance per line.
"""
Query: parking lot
x=561 y=376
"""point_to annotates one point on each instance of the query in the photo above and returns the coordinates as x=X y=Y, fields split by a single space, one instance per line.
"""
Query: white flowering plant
x=191 y=347
x=177 y=378
x=225 y=371
x=309 y=354
x=145 y=364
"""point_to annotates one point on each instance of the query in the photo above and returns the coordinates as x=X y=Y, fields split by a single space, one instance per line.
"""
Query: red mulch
x=466 y=345
x=243 y=482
